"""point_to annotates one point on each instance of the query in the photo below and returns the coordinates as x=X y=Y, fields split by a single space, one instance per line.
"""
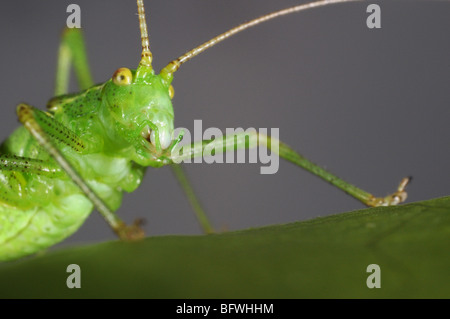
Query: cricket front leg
x=47 y=131
x=253 y=139
x=185 y=184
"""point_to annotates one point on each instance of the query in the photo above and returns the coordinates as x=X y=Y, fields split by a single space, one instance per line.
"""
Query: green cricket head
x=139 y=102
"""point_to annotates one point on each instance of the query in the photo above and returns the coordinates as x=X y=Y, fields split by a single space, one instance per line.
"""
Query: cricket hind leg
x=30 y=118
x=13 y=189
x=72 y=50
x=253 y=139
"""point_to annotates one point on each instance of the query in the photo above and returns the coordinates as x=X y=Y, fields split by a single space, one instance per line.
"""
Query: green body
x=92 y=146
x=48 y=206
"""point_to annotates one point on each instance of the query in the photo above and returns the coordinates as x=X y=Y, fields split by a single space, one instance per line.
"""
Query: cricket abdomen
x=51 y=208
x=24 y=232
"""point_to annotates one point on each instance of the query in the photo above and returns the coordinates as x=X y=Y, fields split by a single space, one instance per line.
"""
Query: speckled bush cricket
x=73 y=141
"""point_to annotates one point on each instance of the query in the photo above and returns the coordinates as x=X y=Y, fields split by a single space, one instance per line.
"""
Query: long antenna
x=146 y=55
x=175 y=64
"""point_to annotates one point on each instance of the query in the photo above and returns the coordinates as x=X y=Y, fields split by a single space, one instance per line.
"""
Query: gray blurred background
x=372 y=106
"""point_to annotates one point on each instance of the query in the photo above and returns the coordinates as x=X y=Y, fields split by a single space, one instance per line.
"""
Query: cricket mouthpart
x=165 y=138
x=146 y=132
x=150 y=136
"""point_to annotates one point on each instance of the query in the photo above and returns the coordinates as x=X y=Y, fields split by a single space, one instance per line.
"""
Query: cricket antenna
x=146 y=56
x=172 y=67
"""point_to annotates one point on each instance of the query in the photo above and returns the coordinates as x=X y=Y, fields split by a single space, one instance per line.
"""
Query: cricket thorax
x=71 y=107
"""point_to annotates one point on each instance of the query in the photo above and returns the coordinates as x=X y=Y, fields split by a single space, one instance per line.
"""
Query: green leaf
x=321 y=258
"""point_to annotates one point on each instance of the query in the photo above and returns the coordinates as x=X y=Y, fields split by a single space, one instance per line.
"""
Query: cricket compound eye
x=122 y=77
